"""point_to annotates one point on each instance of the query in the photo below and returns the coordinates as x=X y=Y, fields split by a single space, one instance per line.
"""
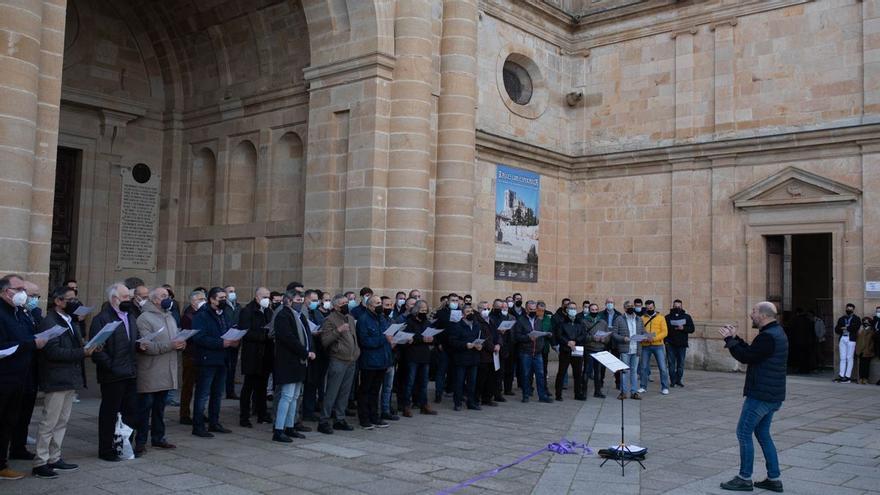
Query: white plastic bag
x=122 y=439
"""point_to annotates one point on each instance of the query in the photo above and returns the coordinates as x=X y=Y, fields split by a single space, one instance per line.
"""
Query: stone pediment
x=793 y=186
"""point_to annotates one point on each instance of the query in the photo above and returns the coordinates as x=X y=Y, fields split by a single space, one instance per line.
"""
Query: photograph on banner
x=517 y=196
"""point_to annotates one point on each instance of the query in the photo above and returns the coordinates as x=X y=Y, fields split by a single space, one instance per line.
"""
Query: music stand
x=615 y=365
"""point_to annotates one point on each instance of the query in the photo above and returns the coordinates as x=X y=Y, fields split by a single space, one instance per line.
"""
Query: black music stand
x=617 y=366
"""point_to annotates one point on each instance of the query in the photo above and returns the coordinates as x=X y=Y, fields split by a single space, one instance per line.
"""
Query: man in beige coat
x=340 y=342
x=157 y=368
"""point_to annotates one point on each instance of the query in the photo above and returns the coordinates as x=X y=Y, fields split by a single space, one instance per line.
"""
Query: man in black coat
x=507 y=352
x=680 y=325
x=464 y=339
x=293 y=354
x=15 y=330
x=257 y=356
x=60 y=375
x=211 y=363
x=117 y=368
x=444 y=374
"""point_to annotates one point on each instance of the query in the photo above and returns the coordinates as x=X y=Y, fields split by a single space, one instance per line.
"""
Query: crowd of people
x=317 y=357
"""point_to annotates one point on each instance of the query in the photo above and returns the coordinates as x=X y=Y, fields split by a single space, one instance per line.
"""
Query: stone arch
x=366 y=26
x=242 y=183
x=202 y=186
x=287 y=184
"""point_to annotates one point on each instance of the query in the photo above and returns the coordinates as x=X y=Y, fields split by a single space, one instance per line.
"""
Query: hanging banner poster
x=517 y=195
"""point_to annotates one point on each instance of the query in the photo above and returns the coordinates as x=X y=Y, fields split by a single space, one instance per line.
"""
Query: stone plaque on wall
x=872 y=282
x=139 y=218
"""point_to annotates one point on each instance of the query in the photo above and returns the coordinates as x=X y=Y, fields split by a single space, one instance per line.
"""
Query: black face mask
x=532 y=314
x=677 y=310
x=518 y=304
x=496 y=311
x=594 y=315
x=469 y=317
x=125 y=306
x=649 y=312
x=72 y=306
x=387 y=311
x=275 y=305
x=343 y=309
x=630 y=311
x=422 y=316
x=849 y=311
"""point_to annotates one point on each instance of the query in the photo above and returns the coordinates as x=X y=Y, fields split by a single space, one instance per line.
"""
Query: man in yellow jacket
x=655 y=327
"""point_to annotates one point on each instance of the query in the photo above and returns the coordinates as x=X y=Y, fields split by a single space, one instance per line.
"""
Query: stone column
x=456 y=142
x=871 y=56
x=31 y=43
x=684 y=85
x=723 y=80
x=409 y=164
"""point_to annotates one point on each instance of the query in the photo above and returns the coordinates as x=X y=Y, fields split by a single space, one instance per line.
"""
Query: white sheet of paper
x=8 y=352
x=609 y=361
x=602 y=335
x=51 y=333
x=402 y=337
x=506 y=325
x=151 y=337
x=638 y=337
x=678 y=323
x=455 y=315
x=496 y=360
x=313 y=328
x=393 y=329
x=82 y=311
x=537 y=334
x=578 y=351
x=185 y=335
x=103 y=334
x=478 y=341
x=233 y=334
x=431 y=331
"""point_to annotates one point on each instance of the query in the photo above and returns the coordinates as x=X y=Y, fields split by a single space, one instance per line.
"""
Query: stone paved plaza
x=828 y=435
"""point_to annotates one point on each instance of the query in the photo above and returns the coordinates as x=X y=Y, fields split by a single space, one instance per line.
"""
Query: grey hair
x=415 y=309
x=530 y=302
x=339 y=297
x=154 y=293
x=196 y=293
x=113 y=290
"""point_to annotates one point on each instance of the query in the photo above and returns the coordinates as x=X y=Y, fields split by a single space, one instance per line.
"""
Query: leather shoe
x=599 y=395
x=737 y=484
x=245 y=423
x=45 y=472
x=301 y=427
x=342 y=426
x=768 y=484
x=218 y=428
x=292 y=433
x=390 y=417
x=325 y=428
x=491 y=403
x=165 y=445
x=427 y=410
x=500 y=398
x=475 y=407
x=109 y=457
x=546 y=400
x=203 y=434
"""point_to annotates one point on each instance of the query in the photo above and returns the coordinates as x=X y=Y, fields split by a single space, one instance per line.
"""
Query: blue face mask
x=453 y=306
x=313 y=305
x=638 y=309
x=166 y=304
x=32 y=303
x=609 y=306
x=352 y=304
x=572 y=313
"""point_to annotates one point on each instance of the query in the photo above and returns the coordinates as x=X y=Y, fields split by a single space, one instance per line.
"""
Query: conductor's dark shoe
x=772 y=485
x=737 y=484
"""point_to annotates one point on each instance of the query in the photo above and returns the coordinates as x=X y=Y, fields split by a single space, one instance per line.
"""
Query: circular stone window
x=141 y=173
x=517 y=82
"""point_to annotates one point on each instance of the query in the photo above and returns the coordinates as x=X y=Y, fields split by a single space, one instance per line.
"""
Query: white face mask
x=401 y=302
x=455 y=315
x=264 y=302
x=231 y=297
x=20 y=298
x=141 y=302
x=327 y=305
x=504 y=312
x=199 y=305
x=485 y=314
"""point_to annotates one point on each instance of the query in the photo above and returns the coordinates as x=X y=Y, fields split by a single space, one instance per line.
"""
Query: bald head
x=763 y=313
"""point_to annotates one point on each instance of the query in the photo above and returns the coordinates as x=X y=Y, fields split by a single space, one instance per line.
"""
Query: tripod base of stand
x=622 y=459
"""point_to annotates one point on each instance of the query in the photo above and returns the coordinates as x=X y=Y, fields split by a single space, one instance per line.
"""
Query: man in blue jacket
x=764 y=391
x=16 y=329
x=210 y=360
x=374 y=359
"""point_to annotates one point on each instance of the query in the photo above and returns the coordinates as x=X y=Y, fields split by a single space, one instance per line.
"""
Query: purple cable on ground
x=561 y=447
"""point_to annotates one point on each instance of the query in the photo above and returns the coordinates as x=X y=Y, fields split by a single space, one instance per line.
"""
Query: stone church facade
x=722 y=151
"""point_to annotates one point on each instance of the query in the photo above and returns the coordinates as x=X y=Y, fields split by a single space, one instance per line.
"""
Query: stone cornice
x=720 y=153
x=100 y=101
x=370 y=65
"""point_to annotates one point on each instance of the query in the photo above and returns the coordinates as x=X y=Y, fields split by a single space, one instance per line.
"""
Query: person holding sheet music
x=571 y=332
x=597 y=340
x=60 y=376
x=210 y=358
x=389 y=380
x=626 y=332
x=418 y=358
x=257 y=355
x=655 y=325
x=466 y=339
x=530 y=336
x=294 y=353
x=339 y=339
x=486 y=384
x=375 y=358
x=157 y=360
x=499 y=317
x=680 y=325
